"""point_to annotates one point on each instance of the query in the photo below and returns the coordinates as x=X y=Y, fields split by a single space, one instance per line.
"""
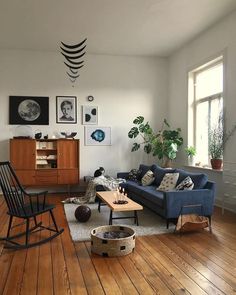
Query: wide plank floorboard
x=194 y=263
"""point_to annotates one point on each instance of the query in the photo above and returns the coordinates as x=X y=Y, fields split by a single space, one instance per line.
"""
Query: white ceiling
x=123 y=27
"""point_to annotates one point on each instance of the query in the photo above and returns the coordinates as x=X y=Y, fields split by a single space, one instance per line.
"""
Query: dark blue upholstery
x=169 y=204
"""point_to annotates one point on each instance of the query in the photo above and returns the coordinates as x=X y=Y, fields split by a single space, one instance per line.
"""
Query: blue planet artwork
x=98 y=135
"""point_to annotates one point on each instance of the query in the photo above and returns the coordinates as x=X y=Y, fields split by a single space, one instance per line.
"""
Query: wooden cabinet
x=45 y=162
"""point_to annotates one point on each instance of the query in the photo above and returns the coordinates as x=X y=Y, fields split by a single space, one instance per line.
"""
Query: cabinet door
x=22 y=153
x=67 y=153
x=68 y=176
x=26 y=177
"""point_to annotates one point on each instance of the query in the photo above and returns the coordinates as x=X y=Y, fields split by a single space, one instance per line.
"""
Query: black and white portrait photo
x=28 y=110
x=66 y=109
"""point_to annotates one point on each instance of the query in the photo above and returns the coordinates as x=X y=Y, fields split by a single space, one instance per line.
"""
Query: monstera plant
x=164 y=144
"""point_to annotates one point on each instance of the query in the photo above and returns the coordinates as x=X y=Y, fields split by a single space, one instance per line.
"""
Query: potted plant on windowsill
x=191 y=152
x=164 y=144
x=217 y=140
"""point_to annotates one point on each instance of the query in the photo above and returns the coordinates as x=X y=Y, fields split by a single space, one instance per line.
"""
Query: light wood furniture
x=45 y=162
x=108 y=197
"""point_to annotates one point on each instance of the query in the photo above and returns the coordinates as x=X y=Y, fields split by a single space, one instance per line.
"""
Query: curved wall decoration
x=73 y=55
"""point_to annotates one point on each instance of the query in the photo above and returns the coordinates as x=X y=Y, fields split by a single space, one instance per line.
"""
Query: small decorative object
x=112 y=240
x=120 y=197
x=97 y=135
x=45 y=136
x=66 y=109
x=23 y=131
x=90 y=115
x=38 y=135
x=69 y=134
x=82 y=213
x=90 y=98
x=73 y=55
x=26 y=110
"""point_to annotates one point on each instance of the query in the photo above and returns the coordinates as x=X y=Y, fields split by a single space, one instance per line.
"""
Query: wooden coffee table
x=108 y=198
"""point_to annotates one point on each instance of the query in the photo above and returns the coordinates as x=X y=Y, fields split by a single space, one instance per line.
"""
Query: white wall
x=218 y=39
x=123 y=87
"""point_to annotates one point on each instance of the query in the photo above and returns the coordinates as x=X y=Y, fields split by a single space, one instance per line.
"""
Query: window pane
x=216 y=112
x=209 y=82
x=202 y=110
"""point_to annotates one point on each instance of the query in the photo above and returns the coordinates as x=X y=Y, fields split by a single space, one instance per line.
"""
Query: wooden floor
x=198 y=263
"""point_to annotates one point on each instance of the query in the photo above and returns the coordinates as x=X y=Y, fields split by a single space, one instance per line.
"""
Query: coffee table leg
x=99 y=205
x=110 y=219
x=136 y=217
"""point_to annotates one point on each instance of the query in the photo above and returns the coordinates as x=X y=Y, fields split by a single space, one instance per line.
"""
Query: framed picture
x=66 y=107
x=90 y=115
x=28 y=110
x=97 y=135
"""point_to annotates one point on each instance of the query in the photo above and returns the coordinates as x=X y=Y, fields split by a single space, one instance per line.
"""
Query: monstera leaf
x=135 y=147
x=134 y=132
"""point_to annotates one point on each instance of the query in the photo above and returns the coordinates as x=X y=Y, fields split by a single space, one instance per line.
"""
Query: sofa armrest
x=123 y=175
x=175 y=200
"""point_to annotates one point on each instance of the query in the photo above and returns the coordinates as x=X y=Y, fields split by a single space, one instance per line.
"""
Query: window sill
x=204 y=168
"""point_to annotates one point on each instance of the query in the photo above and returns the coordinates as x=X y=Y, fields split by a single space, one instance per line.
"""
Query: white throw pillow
x=168 y=182
x=148 y=178
x=186 y=184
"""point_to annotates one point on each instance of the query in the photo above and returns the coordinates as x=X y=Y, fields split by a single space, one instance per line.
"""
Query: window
x=205 y=105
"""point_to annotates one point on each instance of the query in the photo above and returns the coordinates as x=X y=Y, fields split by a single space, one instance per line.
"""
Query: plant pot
x=166 y=163
x=216 y=164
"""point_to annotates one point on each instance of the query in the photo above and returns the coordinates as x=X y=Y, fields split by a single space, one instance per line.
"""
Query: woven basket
x=108 y=247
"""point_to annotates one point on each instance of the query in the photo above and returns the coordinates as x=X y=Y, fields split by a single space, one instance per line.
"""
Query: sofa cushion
x=134 y=174
x=144 y=168
x=168 y=182
x=199 y=179
x=148 y=178
x=147 y=192
x=160 y=172
x=186 y=184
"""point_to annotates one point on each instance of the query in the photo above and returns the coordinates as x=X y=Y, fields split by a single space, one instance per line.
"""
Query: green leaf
x=133 y=132
x=138 y=120
x=135 y=147
x=167 y=124
x=148 y=148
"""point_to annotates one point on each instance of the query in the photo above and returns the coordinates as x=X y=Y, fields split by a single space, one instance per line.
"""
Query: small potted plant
x=191 y=152
x=218 y=138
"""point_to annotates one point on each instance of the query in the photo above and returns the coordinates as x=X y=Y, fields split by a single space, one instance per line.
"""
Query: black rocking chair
x=24 y=205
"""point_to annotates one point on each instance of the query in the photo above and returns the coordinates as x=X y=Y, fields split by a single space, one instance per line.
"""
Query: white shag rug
x=149 y=222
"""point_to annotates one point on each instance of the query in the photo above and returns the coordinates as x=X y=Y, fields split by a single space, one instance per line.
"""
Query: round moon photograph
x=29 y=110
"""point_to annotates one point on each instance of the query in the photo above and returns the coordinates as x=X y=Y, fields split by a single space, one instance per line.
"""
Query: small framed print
x=28 y=110
x=66 y=108
x=97 y=135
x=90 y=115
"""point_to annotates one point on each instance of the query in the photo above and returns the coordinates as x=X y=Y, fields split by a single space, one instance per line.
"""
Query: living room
x=133 y=66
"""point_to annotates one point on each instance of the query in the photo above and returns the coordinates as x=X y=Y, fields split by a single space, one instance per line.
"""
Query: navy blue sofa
x=169 y=204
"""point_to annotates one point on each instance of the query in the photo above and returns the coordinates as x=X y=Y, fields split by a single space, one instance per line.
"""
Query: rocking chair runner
x=26 y=206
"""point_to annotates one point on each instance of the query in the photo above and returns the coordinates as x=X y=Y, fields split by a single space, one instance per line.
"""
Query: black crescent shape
x=73 y=72
x=74 y=77
x=73 y=52
x=74 y=62
x=72 y=81
x=74 y=46
x=75 y=68
x=73 y=57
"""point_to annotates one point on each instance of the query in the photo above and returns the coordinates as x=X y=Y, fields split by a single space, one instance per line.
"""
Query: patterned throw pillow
x=168 y=182
x=148 y=178
x=134 y=175
x=186 y=184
